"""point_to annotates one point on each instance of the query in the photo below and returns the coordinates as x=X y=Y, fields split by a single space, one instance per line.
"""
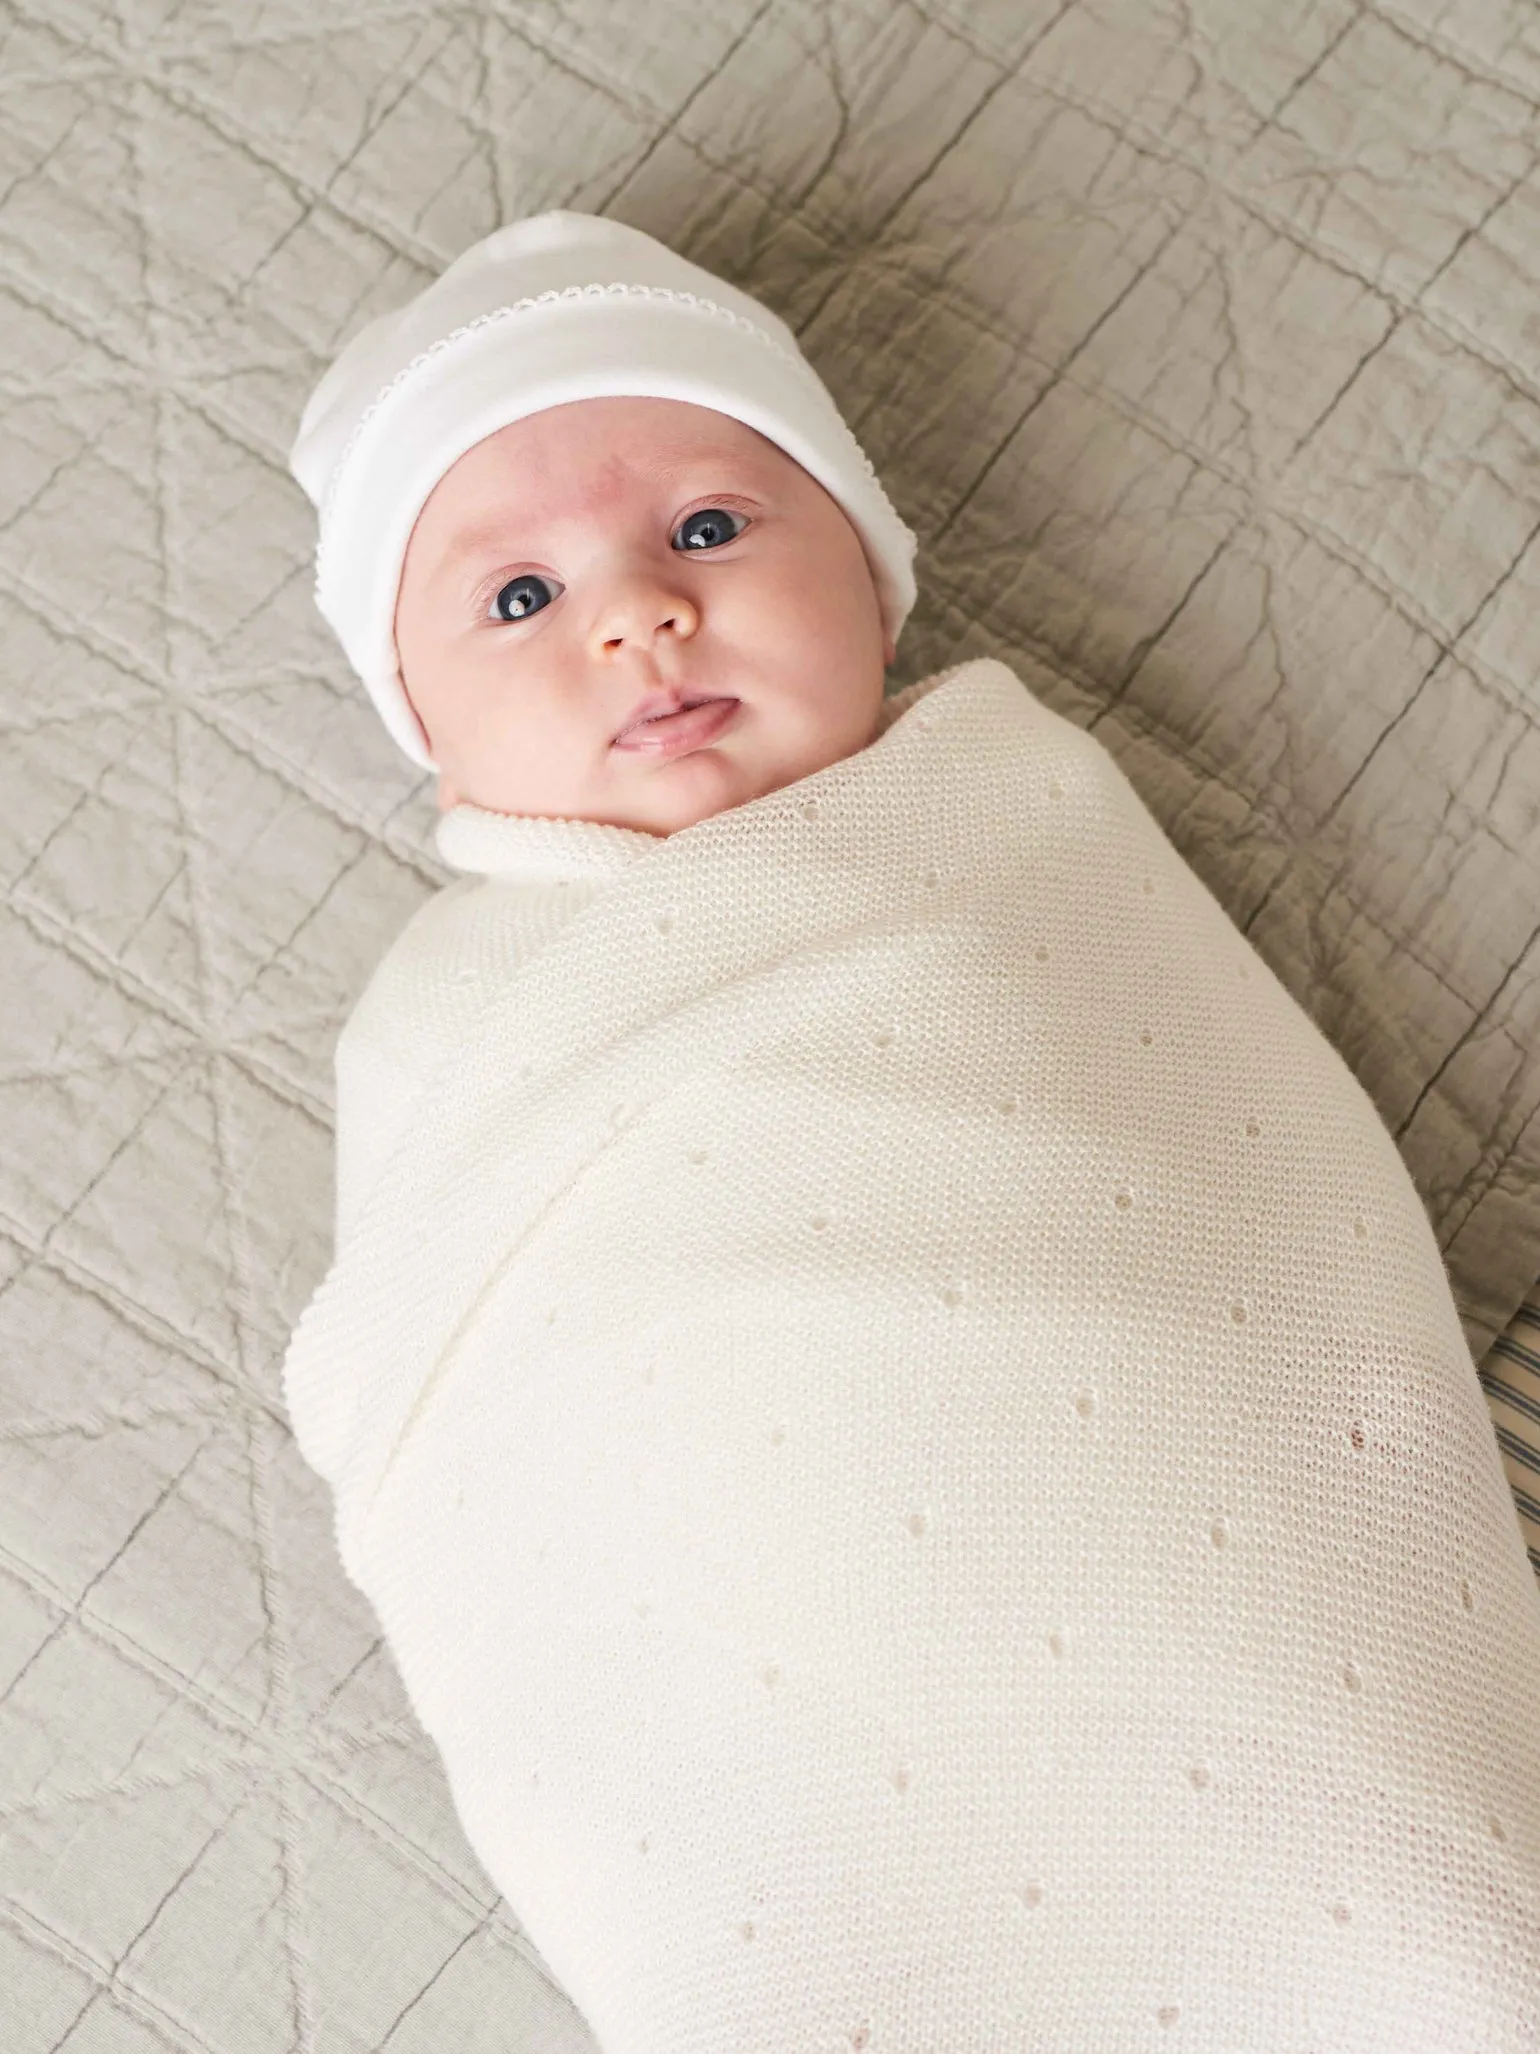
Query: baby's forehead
x=581 y=466
x=579 y=457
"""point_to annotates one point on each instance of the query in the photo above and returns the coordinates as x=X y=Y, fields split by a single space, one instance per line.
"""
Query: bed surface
x=1201 y=346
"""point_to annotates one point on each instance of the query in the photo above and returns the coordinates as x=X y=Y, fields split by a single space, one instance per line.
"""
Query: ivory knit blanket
x=905 y=1425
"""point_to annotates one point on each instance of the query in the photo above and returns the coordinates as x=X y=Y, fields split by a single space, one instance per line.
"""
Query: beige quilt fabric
x=1200 y=344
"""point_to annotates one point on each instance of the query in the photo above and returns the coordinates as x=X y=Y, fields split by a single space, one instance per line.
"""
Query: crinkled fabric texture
x=1201 y=345
x=726 y=1374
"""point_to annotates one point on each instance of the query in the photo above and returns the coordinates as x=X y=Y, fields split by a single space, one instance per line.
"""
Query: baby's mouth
x=666 y=723
x=697 y=721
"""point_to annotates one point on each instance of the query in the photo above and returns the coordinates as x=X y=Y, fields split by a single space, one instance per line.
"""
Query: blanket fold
x=908 y=1432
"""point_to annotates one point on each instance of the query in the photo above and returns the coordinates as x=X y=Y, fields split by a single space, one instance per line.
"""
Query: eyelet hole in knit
x=1085 y=1404
x=1031 y=1895
x=1198 y=1776
x=1219 y=1533
x=1168 y=2014
x=917 y=1522
x=1351 y=1678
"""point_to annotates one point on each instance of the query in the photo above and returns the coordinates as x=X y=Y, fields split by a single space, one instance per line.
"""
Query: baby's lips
x=670 y=731
x=657 y=705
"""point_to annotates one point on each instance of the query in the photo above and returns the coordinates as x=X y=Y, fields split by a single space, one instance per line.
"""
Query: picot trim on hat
x=595 y=290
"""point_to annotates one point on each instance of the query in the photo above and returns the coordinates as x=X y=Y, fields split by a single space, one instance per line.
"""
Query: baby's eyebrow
x=491 y=538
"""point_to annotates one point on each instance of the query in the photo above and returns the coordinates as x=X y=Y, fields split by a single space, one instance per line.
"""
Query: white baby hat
x=561 y=306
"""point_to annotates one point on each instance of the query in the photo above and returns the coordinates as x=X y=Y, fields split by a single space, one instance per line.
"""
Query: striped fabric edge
x=1510 y=1382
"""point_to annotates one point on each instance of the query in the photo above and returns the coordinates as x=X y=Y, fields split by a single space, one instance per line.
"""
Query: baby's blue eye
x=715 y=527
x=521 y=596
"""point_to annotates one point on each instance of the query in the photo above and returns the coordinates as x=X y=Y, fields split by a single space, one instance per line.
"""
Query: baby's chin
x=685 y=809
x=682 y=790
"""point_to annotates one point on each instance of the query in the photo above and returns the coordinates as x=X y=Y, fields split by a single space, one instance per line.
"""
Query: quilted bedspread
x=1199 y=340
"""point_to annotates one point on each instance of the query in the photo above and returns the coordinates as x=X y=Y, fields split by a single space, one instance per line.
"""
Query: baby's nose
x=639 y=617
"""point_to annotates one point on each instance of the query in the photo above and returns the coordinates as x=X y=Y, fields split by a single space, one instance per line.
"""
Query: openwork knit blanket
x=904 y=1422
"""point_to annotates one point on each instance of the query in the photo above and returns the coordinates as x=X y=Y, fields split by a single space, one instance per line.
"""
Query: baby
x=893 y=1397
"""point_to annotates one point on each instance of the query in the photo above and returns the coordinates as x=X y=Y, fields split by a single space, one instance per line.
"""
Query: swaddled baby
x=897 y=1406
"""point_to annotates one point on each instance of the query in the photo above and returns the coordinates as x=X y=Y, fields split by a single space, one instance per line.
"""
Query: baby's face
x=590 y=556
